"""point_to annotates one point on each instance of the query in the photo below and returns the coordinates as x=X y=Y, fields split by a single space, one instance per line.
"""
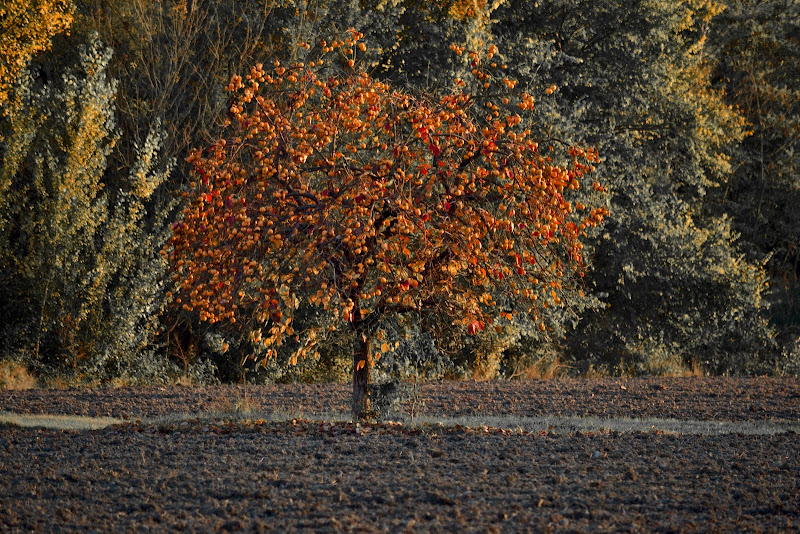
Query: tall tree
x=632 y=78
x=756 y=56
x=81 y=275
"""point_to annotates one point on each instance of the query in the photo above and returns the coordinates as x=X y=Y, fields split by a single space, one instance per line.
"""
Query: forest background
x=692 y=105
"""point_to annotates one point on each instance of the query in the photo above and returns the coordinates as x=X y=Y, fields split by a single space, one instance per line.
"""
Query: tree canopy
x=690 y=109
x=334 y=188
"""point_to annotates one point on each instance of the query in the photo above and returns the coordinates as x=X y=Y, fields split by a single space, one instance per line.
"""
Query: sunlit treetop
x=334 y=189
x=26 y=28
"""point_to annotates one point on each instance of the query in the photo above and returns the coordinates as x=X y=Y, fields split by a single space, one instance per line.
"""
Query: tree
x=81 y=278
x=367 y=202
x=174 y=58
x=25 y=29
x=633 y=79
x=756 y=59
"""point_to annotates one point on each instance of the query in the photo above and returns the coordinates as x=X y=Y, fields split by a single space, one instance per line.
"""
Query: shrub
x=14 y=374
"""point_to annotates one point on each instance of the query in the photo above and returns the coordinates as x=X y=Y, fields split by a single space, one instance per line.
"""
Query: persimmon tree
x=332 y=189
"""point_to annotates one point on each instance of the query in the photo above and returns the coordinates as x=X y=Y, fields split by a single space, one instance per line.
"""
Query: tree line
x=677 y=122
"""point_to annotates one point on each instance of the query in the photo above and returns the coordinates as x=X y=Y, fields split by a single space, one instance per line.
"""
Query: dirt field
x=202 y=475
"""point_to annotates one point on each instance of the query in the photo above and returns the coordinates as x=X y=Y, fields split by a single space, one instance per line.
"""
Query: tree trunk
x=361 y=401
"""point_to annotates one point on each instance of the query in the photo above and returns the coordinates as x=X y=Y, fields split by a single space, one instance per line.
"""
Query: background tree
x=175 y=58
x=633 y=80
x=26 y=27
x=368 y=202
x=82 y=280
x=756 y=60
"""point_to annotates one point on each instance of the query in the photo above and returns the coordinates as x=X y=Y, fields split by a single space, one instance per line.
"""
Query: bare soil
x=320 y=477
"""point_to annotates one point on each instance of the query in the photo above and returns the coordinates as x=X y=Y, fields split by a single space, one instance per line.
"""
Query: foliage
x=82 y=280
x=757 y=60
x=26 y=27
x=790 y=364
x=367 y=202
x=175 y=58
x=632 y=79
x=692 y=105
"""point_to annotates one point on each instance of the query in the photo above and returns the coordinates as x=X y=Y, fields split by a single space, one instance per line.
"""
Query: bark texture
x=361 y=370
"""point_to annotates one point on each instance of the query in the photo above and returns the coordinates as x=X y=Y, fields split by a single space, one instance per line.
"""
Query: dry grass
x=544 y=369
x=14 y=375
x=564 y=425
x=57 y=422
x=239 y=405
x=485 y=366
x=694 y=370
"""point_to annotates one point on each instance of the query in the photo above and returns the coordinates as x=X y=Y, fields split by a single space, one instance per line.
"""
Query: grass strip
x=57 y=422
x=512 y=423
